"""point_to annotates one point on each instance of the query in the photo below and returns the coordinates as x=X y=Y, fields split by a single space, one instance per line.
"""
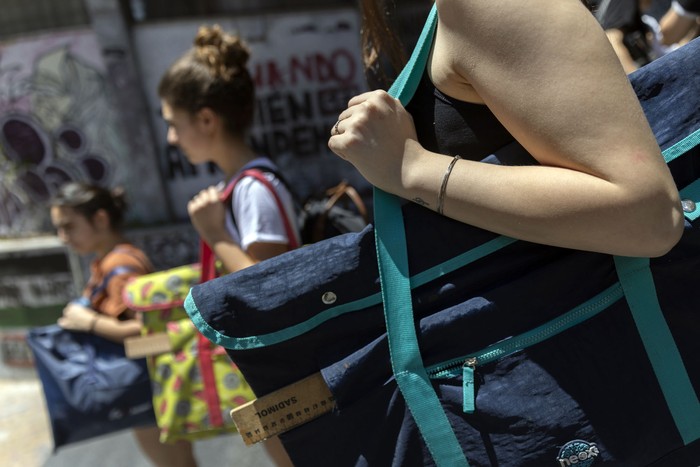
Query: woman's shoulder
x=252 y=188
x=128 y=256
x=478 y=18
x=511 y=44
x=263 y=166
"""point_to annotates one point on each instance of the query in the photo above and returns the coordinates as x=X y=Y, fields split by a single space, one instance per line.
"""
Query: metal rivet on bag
x=329 y=298
x=688 y=205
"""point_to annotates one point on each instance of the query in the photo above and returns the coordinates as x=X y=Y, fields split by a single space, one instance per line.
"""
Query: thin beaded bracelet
x=443 y=187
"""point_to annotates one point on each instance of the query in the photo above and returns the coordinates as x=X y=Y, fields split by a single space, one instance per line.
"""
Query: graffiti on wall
x=56 y=125
x=300 y=98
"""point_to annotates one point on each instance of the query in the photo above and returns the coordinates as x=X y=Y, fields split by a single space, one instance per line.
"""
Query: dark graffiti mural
x=56 y=125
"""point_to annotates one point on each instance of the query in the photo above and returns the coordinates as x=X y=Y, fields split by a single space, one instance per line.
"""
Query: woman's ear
x=208 y=120
x=101 y=220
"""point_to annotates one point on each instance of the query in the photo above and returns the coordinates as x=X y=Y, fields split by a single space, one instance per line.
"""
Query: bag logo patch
x=579 y=453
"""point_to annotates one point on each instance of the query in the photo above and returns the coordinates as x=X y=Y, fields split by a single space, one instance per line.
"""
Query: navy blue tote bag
x=444 y=344
x=91 y=388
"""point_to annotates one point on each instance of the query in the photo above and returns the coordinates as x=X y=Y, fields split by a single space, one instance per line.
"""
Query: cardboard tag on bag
x=146 y=346
x=283 y=409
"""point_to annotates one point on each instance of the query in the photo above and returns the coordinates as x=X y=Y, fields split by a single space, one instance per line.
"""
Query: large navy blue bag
x=444 y=344
x=91 y=387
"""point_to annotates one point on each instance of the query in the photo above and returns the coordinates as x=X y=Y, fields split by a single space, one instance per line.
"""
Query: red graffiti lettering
x=337 y=66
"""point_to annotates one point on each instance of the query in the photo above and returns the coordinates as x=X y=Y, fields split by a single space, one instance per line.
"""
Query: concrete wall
x=36 y=281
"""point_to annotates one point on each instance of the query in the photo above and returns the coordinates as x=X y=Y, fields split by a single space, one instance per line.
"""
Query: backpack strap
x=334 y=195
x=258 y=174
x=208 y=261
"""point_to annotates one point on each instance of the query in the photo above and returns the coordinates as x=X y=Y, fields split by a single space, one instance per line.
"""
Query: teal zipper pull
x=468 y=389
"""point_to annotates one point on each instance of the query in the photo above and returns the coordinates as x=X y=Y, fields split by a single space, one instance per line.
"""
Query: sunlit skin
x=191 y=133
x=676 y=29
x=602 y=184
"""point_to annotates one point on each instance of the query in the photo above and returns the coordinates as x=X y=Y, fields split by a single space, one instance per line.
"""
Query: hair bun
x=224 y=53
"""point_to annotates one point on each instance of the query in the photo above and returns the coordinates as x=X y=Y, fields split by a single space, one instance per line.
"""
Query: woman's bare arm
x=547 y=71
x=207 y=213
x=81 y=318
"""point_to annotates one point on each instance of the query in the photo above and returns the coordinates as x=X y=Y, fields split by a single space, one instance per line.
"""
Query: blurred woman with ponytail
x=88 y=219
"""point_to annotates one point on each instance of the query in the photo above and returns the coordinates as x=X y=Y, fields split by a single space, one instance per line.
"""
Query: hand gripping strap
x=208 y=261
x=635 y=278
x=406 y=360
x=640 y=292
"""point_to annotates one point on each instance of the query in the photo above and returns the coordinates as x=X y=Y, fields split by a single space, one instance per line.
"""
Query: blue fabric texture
x=592 y=384
x=91 y=387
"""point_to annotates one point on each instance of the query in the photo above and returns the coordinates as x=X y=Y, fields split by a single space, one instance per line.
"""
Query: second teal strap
x=406 y=360
x=640 y=291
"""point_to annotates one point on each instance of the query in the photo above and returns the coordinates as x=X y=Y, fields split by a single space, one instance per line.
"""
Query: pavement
x=25 y=437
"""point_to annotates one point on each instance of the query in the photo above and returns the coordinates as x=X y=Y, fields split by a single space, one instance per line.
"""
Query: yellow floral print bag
x=195 y=384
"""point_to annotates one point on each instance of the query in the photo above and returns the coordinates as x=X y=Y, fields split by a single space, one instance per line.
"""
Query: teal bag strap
x=408 y=80
x=390 y=237
x=634 y=274
x=640 y=292
x=682 y=146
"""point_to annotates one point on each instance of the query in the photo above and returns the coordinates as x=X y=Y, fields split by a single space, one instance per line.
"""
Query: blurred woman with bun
x=207 y=100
